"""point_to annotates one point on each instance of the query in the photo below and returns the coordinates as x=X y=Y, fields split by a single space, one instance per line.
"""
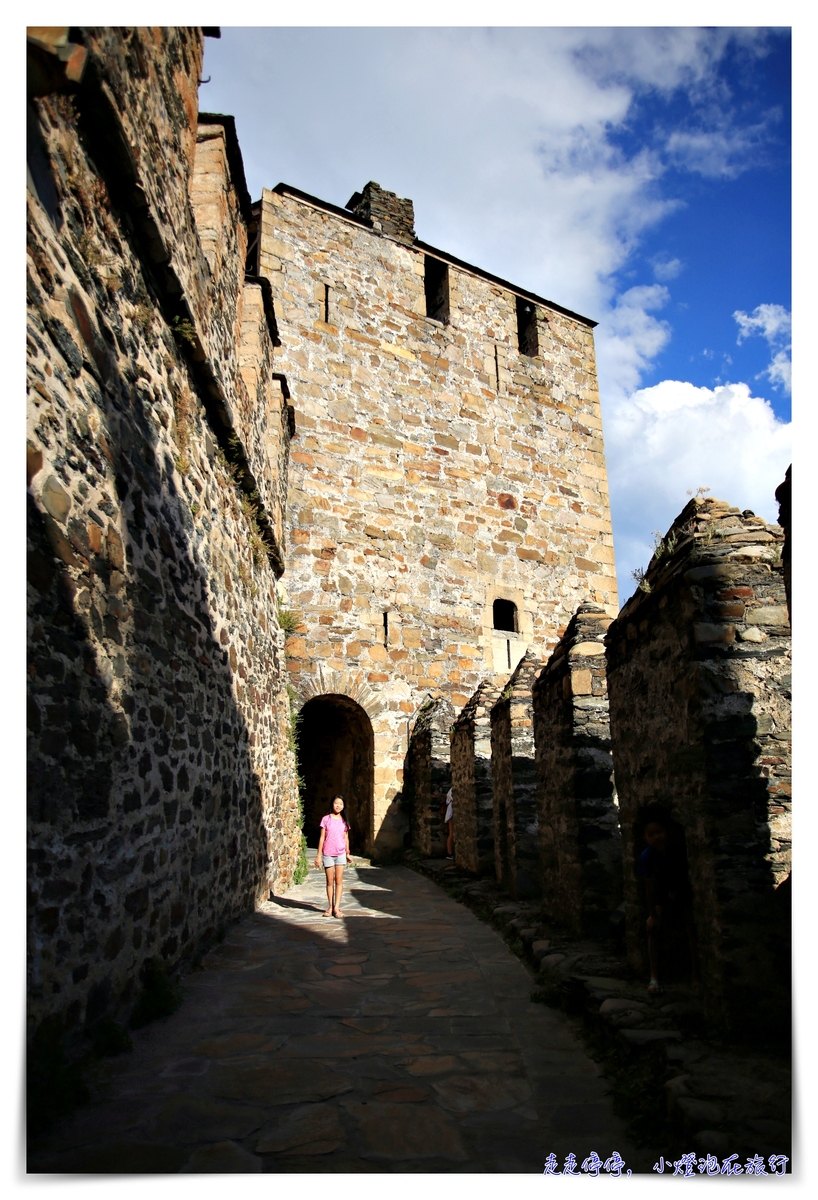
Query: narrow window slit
x=436 y=287
x=497 y=368
x=527 y=328
x=326 y=304
x=508 y=652
x=386 y=629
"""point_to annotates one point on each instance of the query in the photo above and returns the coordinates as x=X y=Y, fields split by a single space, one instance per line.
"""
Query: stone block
x=55 y=499
x=775 y=615
x=581 y=684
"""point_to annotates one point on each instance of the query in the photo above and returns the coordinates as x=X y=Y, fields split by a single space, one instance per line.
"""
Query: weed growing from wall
x=183 y=331
x=641 y=582
x=288 y=620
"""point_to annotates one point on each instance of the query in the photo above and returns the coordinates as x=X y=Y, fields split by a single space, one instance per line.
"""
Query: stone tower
x=448 y=499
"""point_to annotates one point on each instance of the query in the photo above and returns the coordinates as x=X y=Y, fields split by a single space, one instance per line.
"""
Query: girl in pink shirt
x=333 y=851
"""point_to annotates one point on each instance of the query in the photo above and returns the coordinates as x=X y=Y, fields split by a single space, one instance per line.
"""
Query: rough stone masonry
x=699 y=682
x=580 y=852
x=448 y=502
x=162 y=799
x=514 y=782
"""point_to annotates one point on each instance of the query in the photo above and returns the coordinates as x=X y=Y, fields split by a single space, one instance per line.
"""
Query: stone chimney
x=385 y=212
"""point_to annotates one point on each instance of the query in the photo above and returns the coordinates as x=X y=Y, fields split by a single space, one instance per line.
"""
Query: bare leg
x=330 y=871
x=339 y=890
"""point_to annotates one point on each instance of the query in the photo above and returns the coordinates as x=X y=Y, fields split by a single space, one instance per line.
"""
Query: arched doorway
x=336 y=756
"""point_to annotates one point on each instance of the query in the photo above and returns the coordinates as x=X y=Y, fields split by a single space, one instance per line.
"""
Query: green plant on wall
x=641 y=581
x=183 y=331
x=288 y=620
x=302 y=866
x=664 y=545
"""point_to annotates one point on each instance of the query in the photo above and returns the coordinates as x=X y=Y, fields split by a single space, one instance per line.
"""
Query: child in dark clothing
x=667 y=890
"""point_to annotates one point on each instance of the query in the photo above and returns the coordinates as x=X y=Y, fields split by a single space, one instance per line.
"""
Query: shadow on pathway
x=399 y=1038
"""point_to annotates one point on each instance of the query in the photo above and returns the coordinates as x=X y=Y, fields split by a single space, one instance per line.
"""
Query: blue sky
x=731 y=231
x=638 y=175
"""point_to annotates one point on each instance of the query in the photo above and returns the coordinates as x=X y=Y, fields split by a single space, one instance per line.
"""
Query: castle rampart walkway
x=401 y=1038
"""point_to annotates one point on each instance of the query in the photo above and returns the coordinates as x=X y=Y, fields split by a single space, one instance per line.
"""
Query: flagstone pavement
x=398 y=1038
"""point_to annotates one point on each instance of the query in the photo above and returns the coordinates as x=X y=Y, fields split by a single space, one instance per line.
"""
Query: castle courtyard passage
x=399 y=1039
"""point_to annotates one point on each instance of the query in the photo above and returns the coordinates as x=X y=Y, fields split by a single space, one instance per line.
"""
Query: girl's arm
x=346 y=842
x=317 y=862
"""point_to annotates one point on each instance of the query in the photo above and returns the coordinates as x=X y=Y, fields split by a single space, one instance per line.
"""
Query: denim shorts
x=334 y=860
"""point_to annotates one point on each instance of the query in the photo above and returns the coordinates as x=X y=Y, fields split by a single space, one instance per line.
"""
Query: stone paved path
x=400 y=1038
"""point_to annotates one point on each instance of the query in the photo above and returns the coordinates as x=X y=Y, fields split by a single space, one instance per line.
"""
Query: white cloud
x=666 y=440
x=506 y=141
x=779 y=371
x=631 y=338
x=723 y=151
x=666 y=269
x=502 y=137
x=773 y=322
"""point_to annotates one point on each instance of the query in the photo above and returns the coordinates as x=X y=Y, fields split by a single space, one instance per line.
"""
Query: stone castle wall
x=428 y=775
x=437 y=467
x=514 y=782
x=472 y=796
x=161 y=786
x=580 y=852
x=699 y=682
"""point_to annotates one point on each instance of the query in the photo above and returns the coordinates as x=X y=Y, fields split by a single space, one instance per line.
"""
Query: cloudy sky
x=638 y=176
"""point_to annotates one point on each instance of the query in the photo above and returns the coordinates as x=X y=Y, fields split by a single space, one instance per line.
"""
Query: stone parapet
x=578 y=816
x=385 y=212
x=473 y=803
x=699 y=684
x=428 y=775
x=514 y=782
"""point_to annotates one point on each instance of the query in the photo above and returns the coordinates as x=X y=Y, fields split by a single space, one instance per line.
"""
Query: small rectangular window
x=436 y=286
x=505 y=615
x=527 y=328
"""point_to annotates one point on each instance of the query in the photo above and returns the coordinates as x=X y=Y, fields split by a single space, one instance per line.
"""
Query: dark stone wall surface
x=473 y=803
x=161 y=792
x=514 y=782
x=580 y=851
x=428 y=775
x=699 y=686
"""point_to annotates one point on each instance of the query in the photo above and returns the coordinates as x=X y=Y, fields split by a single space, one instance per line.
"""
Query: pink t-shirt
x=336 y=828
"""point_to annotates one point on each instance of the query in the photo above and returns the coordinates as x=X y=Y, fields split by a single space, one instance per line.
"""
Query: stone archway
x=336 y=755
